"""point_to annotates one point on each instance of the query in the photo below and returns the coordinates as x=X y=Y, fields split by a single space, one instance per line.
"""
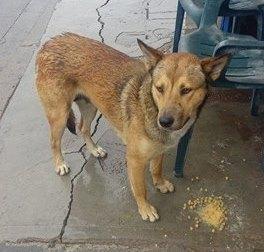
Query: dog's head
x=179 y=83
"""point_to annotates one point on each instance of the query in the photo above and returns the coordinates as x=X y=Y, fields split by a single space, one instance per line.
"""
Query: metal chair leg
x=181 y=153
x=255 y=102
x=178 y=26
x=227 y=24
x=262 y=159
x=260 y=30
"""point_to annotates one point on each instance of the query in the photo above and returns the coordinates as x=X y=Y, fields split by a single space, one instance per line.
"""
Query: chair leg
x=230 y=24
x=227 y=24
x=178 y=26
x=181 y=153
x=260 y=29
x=262 y=159
x=255 y=102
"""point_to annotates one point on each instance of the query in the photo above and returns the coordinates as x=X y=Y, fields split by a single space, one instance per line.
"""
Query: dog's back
x=82 y=59
x=86 y=66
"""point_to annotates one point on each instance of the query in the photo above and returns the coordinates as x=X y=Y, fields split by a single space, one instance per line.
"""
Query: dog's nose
x=166 y=121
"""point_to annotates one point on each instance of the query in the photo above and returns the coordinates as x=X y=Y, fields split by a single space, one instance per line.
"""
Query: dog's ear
x=214 y=66
x=152 y=55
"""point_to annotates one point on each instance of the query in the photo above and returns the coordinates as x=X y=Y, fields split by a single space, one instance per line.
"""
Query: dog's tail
x=71 y=123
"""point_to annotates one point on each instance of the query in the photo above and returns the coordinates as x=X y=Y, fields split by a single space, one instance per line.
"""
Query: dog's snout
x=166 y=121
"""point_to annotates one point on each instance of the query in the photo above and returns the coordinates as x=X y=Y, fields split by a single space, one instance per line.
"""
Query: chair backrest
x=210 y=12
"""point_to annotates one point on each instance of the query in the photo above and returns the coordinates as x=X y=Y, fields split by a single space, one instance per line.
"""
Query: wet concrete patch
x=116 y=164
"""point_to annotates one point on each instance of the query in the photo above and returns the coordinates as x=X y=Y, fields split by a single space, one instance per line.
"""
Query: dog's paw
x=148 y=212
x=62 y=169
x=99 y=152
x=164 y=186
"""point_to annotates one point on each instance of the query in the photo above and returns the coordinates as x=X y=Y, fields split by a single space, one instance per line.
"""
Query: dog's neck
x=150 y=110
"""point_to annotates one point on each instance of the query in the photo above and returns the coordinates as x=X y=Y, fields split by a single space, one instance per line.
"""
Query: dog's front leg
x=136 y=165
x=158 y=180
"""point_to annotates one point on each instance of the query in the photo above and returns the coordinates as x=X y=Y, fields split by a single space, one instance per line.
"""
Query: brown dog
x=150 y=103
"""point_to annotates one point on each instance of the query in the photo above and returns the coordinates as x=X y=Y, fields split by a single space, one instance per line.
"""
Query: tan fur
x=125 y=90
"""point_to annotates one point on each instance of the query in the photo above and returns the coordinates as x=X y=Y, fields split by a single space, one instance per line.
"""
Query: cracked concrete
x=92 y=208
x=14 y=139
x=81 y=152
x=100 y=20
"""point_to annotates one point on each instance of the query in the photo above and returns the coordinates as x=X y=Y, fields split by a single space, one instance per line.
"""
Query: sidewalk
x=92 y=208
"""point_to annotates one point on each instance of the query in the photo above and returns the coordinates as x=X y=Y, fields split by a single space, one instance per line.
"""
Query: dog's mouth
x=174 y=127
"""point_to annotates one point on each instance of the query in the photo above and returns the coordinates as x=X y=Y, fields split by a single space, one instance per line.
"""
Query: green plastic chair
x=228 y=9
x=245 y=70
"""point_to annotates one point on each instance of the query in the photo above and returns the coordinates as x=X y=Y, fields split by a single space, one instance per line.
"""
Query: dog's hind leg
x=56 y=100
x=57 y=120
x=88 y=113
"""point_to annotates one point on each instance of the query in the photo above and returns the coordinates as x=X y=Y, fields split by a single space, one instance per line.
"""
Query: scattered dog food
x=210 y=210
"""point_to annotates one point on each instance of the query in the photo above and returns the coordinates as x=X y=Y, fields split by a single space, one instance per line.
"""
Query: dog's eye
x=160 y=89
x=185 y=91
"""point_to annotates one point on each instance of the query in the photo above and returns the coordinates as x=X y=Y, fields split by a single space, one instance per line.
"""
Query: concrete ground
x=92 y=208
x=23 y=23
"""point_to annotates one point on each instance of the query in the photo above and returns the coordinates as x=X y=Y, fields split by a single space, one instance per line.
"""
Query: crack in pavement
x=65 y=221
x=16 y=19
x=52 y=242
x=58 y=239
x=89 y=243
x=99 y=19
x=94 y=131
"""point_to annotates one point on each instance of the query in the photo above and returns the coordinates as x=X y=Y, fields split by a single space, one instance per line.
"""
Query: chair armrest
x=210 y=13
x=193 y=10
x=234 y=45
x=242 y=11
